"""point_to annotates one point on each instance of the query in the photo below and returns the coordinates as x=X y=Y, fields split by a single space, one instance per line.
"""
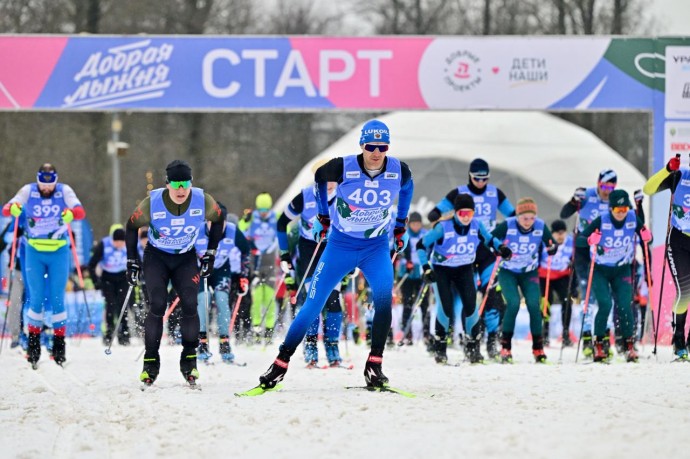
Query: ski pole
x=400 y=282
x=546 y=288
x=586 y=303
x=170 y=310
x=415 y=306
x=235 y=309
x=92 y=326
x=9 y=287
x=663 y=264
x=293 y=299
x=488 y=285
x=649 y=284
x=119 y=319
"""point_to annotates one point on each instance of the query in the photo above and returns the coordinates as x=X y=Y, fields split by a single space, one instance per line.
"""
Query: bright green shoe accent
x=195 y=373
x=144 y=376
x=191 y=356
x=587 y=351
x=258 y=390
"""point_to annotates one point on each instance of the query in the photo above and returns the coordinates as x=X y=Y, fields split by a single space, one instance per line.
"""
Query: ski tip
x=258 y=390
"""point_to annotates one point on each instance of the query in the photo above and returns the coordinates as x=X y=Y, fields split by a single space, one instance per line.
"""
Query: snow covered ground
x=94 y=408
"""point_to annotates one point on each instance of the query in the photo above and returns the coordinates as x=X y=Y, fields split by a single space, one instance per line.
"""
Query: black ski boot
x=152 y=365
x=473 y=352
x=538 y=349
x=276 y=372
x=33 y=352
x=58 y=353
x=373 y=374
x=491 y=345
x=606 y=340
x=506 y=348
x=587 y=349
x=440 y=345
x=188 y=365
x=567 y=342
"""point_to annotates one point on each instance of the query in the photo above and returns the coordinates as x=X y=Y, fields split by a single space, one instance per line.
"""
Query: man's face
x=179 y=190
x=479 y=181
x=605 y=189
x=374 y=154
x=119 y=244
x=46 y=189
x=559 y=236
x=415 y=227
x=526 y=220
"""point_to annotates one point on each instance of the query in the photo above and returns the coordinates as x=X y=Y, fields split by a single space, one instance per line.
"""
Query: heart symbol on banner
x=495 y=70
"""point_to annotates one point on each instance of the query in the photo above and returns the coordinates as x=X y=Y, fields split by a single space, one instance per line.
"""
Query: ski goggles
x=607 y=186
x=372 y=148
x=620 y=209
x=177 y=184
x=464 y=213
x=480 y=178
x=47 y=178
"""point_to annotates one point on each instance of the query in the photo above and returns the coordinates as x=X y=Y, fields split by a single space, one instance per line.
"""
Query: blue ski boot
x=311 y=351
x=225 y=350
x=203 y=352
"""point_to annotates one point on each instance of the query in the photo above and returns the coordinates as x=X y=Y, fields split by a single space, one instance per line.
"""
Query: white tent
x=530 y=154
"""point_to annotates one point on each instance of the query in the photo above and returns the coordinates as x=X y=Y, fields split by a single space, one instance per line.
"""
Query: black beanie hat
x=558 y=225
x=119 y=235
x=463 y=201
x=178 y=171
x=479 y=167
x=619 y=198
x=415 y=217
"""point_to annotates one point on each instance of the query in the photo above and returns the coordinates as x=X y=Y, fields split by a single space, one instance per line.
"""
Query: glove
x=552 y=249
x=15 y=209
x=67 y=216
x=290 y=284
x=673 y=164
x=429 y=275
x=639 y=196
x=409 y=266
x=255 y=252
x=579 y=194
x=594 y=238
x=207 y=263
x=645 y=234
x=285 y=261
x=321 y=226
x=244 y=285
x=133 y=268
x=505 y=252
x=401 y=238
x=434 y=215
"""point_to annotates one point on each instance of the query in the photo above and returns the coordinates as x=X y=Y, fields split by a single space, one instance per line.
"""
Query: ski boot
x=33 y=351
x=473 y=352
x=567 y=342
x=152 y=365
x=631 y=353
x=107 y=340
x=311 y=351
x=587 y=349
x=491 y=345
x=607 y=346
x=373 y=374
x=268 y=336
x=506 y=356
x=440 y=346
x=203 y=352
x=123 y=339
x=679 y=349
x=58 y=352
x=15 y=342
x=332 y=353
x=225 y=350
x=539 y=355
x=276 y=372
x=188 y=365
x=600 y=353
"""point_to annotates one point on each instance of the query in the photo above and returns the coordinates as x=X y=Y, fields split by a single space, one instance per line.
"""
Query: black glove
x=434 y=215
x=580 y=194
x=325 y=222
x=207 y=263
x=639 y=197
x=286 y=262
x=429 y=275
x=133 y=268
x=552 y=249
x=505 y=252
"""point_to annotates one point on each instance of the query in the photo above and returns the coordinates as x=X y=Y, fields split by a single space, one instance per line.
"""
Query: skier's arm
x=242 y=244
x=292 y=211
x=332 y=171
x=498 y=235
x=445 y=205
x=216 y=216
x=504 y=205
x=429 y=239
x=405 y=196
x=140 y=217
x=73 y=202
x=662 y=180
x=484 y=234
x=21 y=198
x=96 y=257
x=585 y=233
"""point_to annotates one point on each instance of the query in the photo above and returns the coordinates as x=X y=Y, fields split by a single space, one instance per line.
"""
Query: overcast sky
x=672 y=16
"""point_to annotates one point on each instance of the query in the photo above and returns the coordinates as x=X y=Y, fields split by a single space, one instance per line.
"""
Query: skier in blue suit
x=368 y=185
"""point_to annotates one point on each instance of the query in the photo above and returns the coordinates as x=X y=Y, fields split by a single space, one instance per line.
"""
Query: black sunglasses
x=372 y=148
